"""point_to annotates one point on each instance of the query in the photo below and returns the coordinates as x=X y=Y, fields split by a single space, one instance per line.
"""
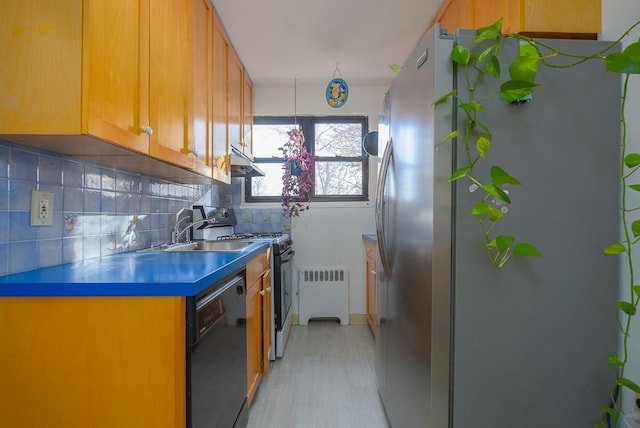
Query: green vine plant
x=477 y=141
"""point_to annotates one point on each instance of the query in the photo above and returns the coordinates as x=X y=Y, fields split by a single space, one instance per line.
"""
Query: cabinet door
x=221 y=167
x=267 y=320
x=567 y=16
x=254 y=332
x=577 y=18
x=116 y=73
x=40 y=75
x=200 y=94
x=247 y=115
x=235 y=100
x=168 y=82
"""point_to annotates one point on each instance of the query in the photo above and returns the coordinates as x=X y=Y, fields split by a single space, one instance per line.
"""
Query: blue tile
x=4 y=259
x=107 y=245
x=92 y=200
x=164 y=221
x=135 y=204
x=49 y=252
x=154 y=221
x=108 y=179
x=23 y=256
x=136 y=183
x=50 y=170
x=107 y=224
x=53 y=231
x=92 y=177
x=108 y=202
x=159 y=205
x=23 y=165
x=145 y=185
x=4 y=194
x=58 y=195
x=243 y=228
x=73 y=174
x=145 y=204
x=72 y=224
x=4 y=226
x=20 y=194
x=4 y=162
x=91 y=246
x=90 y=225
x=73 y=199
x=72 y=249
x=20 y=228
x=122 y=203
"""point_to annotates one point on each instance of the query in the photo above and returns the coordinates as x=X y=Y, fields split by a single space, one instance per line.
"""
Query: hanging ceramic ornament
x=337 y=90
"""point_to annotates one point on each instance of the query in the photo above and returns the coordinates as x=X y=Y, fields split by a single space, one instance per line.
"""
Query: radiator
x=323 y=293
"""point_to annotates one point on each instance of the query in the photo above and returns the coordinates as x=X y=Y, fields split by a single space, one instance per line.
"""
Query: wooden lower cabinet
x=92 y=362
x=371 y=284
x=258 y=315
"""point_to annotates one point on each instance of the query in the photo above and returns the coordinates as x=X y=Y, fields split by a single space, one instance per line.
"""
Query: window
x=341 y=166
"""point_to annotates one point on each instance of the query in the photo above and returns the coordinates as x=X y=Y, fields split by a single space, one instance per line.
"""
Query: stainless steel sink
x=211 y=246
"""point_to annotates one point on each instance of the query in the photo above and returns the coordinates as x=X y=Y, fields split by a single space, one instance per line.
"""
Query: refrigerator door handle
x=384 y=168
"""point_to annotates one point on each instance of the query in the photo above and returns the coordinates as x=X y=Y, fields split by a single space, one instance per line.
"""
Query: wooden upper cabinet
x=569 y=18
x=221 y=46
x=169 y=58
x=235 y=83
x=200 y=93
x=154 y=78
x=116 y=73
x=76 y=69
x=247 y=115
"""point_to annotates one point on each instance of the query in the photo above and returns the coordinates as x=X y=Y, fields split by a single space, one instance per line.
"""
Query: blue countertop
x=150 y=273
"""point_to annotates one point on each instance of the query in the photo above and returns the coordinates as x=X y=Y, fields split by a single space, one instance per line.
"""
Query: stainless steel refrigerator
x=462 y=344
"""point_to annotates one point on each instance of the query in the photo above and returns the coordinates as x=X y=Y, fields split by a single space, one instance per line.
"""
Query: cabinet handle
x=373 y=272
x=147 y=130
x=262 y=292
x=268 y=289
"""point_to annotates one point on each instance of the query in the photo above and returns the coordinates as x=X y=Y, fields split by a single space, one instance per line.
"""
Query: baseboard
x=357 y=318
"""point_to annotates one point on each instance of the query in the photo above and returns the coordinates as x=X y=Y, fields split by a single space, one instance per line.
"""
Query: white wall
x=618 y=15
x=329 y=234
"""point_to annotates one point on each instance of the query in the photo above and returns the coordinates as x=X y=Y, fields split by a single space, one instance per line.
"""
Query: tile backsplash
x=251 y=220
x=97 y=210
x=100 y=211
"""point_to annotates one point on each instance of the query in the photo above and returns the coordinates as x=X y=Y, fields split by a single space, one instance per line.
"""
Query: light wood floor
x=326 y=379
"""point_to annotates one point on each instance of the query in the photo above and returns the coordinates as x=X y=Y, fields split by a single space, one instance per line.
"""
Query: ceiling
x=310 y=41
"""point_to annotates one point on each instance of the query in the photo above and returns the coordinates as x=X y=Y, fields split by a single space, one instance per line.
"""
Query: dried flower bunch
x=298 y=176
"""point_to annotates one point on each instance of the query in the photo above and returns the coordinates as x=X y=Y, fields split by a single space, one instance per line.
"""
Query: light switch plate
x=41 y=208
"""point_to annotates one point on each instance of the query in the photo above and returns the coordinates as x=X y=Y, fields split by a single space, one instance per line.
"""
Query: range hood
x=242 y=166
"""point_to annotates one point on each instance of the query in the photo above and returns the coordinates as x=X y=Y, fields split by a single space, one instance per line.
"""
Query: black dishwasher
x=217 y=356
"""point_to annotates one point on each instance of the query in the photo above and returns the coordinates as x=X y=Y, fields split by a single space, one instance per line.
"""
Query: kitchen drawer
x=257 y=266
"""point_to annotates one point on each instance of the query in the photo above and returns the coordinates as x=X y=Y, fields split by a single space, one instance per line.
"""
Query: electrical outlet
x=41 y=208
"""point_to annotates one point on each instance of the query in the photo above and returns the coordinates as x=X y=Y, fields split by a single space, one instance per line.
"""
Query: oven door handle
x=287 y=256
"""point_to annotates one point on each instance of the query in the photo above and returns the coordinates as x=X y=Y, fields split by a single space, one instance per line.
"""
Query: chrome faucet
x=175 y=235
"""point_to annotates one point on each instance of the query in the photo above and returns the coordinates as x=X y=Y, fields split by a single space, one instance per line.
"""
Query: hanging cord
x=337 y=71
x=295 y=100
